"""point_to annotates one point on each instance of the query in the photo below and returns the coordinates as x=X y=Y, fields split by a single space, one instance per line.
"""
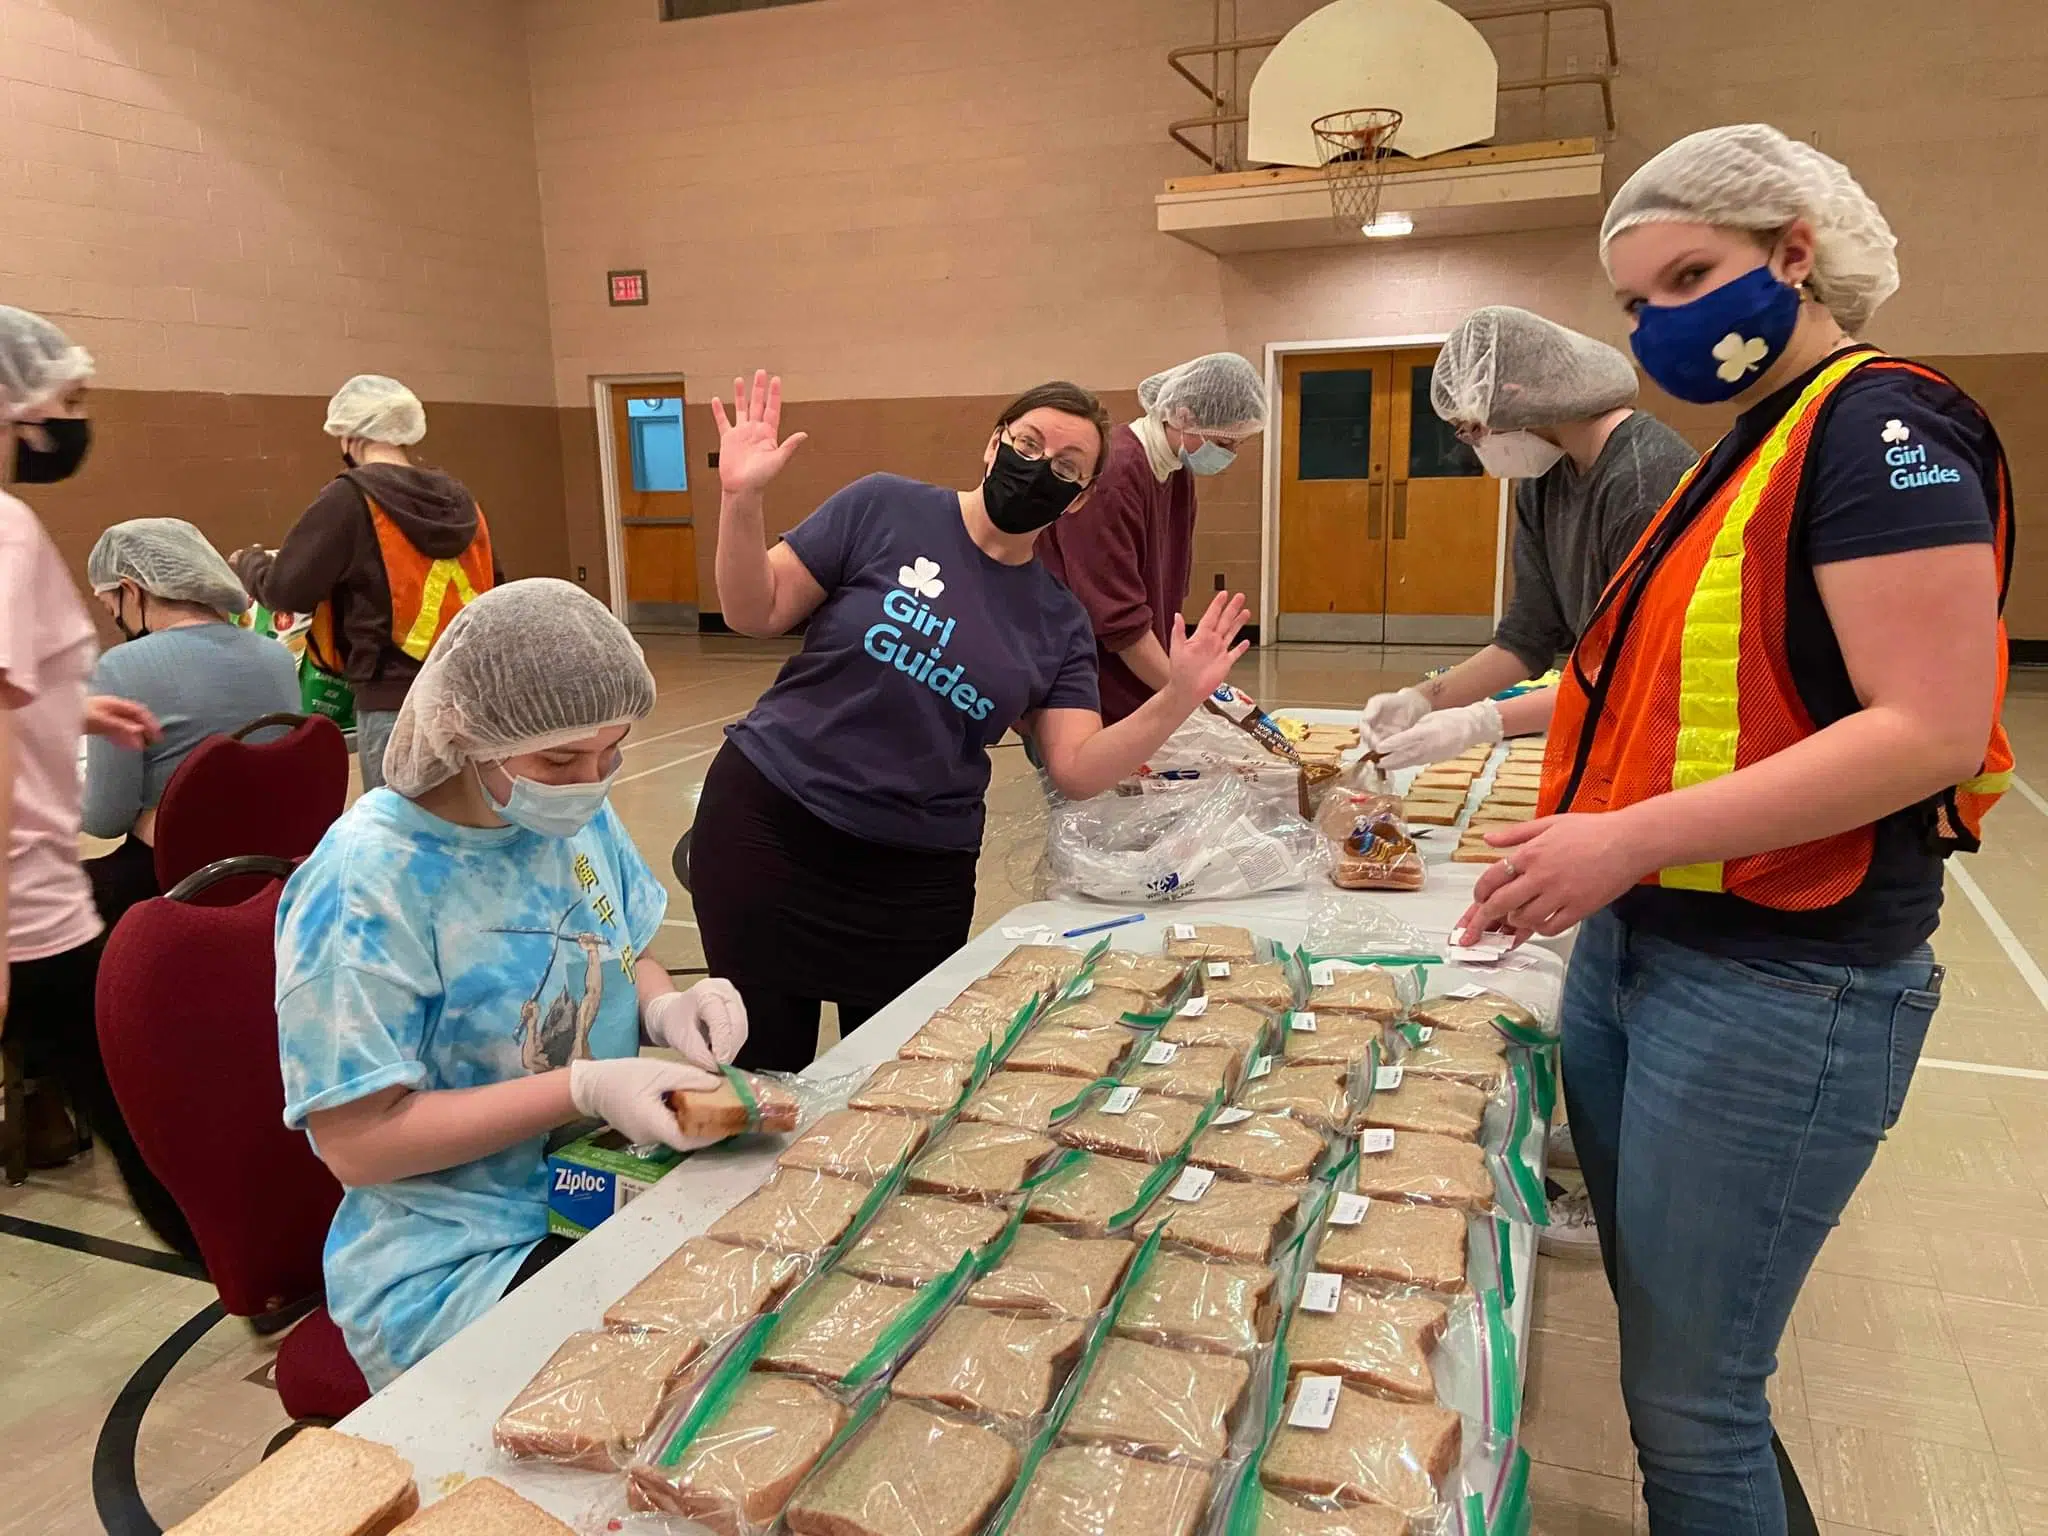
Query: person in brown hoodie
x=385 y=556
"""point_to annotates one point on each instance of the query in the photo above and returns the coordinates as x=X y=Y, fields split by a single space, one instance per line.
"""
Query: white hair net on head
x=1221 y=392
x=168 y=558
x=1505 y=369
x=1750 y=176
x=38 y=363
x=527 y=666
x=378 y=410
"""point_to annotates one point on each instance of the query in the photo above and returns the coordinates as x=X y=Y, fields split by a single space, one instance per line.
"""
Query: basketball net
x=1353 y=148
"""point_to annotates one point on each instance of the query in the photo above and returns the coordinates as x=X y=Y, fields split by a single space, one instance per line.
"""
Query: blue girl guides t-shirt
x=414 y=952
x=923 y=653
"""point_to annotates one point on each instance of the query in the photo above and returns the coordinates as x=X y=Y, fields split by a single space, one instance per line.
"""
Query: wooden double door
x=657 y=515
x=1389 y=530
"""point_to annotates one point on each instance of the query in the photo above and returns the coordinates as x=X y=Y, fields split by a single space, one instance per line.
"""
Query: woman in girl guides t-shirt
x=835 y=843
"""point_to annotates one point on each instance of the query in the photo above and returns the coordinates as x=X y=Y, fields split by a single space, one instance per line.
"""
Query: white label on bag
x=1315 y=1402
x=1348 y=1210
x=1370 y=1142
x=1120 y=1101
x=1262 y=1066
x=1322 y=973
x=1183 y=931
x=1320 y=1292
x=1194 y=1007
x=1466 y=993
x=1028 y=935
x=1424 y=1033
x=1219 y=970
x=1302 y=1020
x=1192 y=1184
x=1160 y=1052
x=1234 y=1115
x=1387 y=1079
x=1474 y=954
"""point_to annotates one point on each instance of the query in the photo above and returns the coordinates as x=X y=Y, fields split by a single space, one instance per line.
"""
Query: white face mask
x=1516 y=455
x=551 y=810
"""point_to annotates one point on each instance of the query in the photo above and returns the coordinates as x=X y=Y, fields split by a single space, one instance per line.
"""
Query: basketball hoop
x=1353 y=147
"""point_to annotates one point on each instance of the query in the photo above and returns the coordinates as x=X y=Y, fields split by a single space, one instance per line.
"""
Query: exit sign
x=628 y=287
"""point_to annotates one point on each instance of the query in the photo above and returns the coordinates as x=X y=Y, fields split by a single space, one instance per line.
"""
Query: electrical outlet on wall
x=1219 y=581
x=583 y=574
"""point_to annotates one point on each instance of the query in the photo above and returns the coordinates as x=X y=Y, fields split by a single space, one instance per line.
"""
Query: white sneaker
x=1571 y=1233
x=1558 y=1150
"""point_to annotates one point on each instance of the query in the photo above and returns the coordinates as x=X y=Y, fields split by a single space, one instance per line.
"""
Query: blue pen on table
x=1114 y=922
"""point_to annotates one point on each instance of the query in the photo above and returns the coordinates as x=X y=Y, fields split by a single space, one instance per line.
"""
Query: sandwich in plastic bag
x=996 y=1365
x=1171 y=1404
x=1370 y=849
x=1047 y=1273
x=906 y=1472
x=705 y=1288
x=1092 y=1490
x=596 y=1398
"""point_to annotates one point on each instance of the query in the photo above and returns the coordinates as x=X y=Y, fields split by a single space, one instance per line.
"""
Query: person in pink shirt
x=47 y=649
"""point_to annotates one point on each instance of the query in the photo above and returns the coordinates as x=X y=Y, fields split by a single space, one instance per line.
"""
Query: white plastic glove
x=705 y=1025
x=626 y=1094
x=1387 y=715
x=1442 y=733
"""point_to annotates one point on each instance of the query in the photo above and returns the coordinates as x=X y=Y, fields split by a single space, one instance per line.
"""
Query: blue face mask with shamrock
x=1714 y=347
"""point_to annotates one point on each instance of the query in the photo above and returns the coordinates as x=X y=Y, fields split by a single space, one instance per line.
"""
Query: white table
x=439 y=1414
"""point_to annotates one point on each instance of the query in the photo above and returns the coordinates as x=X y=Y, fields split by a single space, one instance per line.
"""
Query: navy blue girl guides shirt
x=924 y=652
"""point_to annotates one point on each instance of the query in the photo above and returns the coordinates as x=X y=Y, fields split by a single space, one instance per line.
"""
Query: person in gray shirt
x=174 y=600
x=1553 y=411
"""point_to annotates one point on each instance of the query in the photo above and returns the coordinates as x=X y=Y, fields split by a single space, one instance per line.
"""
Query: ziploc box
x=593 y=1176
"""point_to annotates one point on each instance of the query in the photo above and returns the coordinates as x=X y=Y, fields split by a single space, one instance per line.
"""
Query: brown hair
x=1068 y=400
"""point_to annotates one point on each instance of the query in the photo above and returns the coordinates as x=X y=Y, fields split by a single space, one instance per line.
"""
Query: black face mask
x=1023 y=495
x=142 y=615
x=70 y=437
x=348 y=460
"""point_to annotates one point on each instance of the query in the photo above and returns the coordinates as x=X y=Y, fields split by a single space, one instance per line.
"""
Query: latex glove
x=705 y=1025
x=1442 y=733
x=627 y=1095
x=1389 y=714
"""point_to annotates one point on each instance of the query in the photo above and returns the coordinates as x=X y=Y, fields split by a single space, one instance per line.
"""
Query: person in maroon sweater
x=1128 y=551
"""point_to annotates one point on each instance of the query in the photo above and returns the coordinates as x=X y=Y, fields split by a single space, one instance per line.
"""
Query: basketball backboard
x=1417 y=56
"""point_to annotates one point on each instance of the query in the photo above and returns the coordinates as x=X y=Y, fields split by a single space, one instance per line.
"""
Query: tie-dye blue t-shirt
x=414 y=952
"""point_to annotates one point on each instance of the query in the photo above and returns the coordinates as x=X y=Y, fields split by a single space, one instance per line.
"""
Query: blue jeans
x=373 y=735
x=1724 y=1112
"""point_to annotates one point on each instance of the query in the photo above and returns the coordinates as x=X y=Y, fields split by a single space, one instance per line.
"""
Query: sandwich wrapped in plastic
x=972 y=1161
x=1229 y=1219
x=1203 y=1073
x=832 y=1325
x=1047 y=1273
x=795 y=1211
x=1168 y=1404
x=1375 y=1451
x=906 y=1472
x=1431 y=1170
x=1284 y=1517
x=596 y=1399
x=1095 y=1194
x=1391 y=1240
x=1209 y=839
x=1070 y=1052
x=1213 y=941
x=1376 y=1341
x=857 y=1144
x=1316 y=1095
x=1048 y=965
x=1257 y=984
x=1093 y=1490
x=1200 y=1304
x=705 y=1289
x=745 y=1102
x=734 y=1473
x=1370 y=849
x=1200 y=1022
x=948 y=1036
x=917 y=1238
x=1474 y=1009
x=1022 y=1099
x=1314 y=1038
x=992 y=1364
x=1155 y=977
x=1464 y=1056
x=1440 y=1106
x=1101 y=1006
x=912 y=1087
x=1127 y=1122
x=1345 y=986
x=1276 y=1148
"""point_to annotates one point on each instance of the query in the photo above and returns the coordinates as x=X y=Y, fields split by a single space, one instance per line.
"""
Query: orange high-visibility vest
x=1684 y=672
x=425 y=593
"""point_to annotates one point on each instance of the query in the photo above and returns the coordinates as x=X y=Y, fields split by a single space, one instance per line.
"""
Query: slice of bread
x=1412 y=1244
x=1215 y=941
x=1166 y=1403
x=1233 y=1219
x=912 y=1087
x=1200 y=1304
x=1437 y=1170
x=1475 y=1014
x=483 y=1506
x=915 y=1238
x=743 y=1466
x=1089 y=1194
x=1314 y=1095
x=1154 y=1128
x=1276 y=1148
x=856 y=1144
x=795 y=1211
x=1256 y=986
x=1057 y=964
x=992 y=1364
x=1155 y=976
x=1374 y=1452
x=971 y=1161
x=706 y=1288
x=1094 y=1490
x=829 y=1327
x=1197 y=1072
x=1089 y=1053
x=1049 y=1275
x=908 y=1473
x=1025 y=1100
x=322 y=1483
x=596 y=1399
x=1434 y=1104
x=1369 y=991
x=1380 y=1343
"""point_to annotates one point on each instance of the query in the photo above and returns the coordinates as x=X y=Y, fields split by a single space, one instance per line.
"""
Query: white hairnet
x=1217 y=393
x=37 y=364
x=377 y=409
x=1505 y=369
x=168 y=558
x=527 y=666
x=1751 y=176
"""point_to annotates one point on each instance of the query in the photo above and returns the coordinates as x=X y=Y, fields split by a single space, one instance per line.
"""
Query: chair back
x=231 y=796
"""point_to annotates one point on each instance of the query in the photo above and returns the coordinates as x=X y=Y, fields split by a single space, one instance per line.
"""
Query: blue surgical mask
x=1209 y=459
x=552 y=810
x=1714 y=347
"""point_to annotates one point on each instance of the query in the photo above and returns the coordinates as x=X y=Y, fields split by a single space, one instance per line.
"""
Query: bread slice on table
x=971 y=1161
x=1411 y=1244
x=1156 y=976
x=1255 y=985
x=1375 y=1452
x=1473 y=1014
x=322 y=1483
x=1025 y=1100
x=1214 y=941
x=1314 y=1095
x=1475 y=850
x=1091 y=1490
x=596 y=1399
x=1200 y=1304
x=721 y=1111
x=1089 y=1053
x=1233 y=1025
x=795 y=1211
x=857 y=1144
x=1054 y=964
x=483 y=1506
x=1090 y=1193
x=743 y=1466
x=706 y=1288
x=912 y=1087
x=1435 y=1170
x=915 y=1238
x=1437 y=1105
x=992 y=1364
x=1367 y=990
x=1197 y=1072
x=1153 y=1129
x=1048 y=1274
x=829 y=1327
x=1275 y=1148
x=1102 y=1007
x=1279 y=1517
x=1165 y=1403
x=908 y=1473
x=1432 y=813
x=1232 y=1219
x=1377 y=1342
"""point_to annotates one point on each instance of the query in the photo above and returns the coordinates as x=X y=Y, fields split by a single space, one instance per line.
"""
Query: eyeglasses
x=1067 y=465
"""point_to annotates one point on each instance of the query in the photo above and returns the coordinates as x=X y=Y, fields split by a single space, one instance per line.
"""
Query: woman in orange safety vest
x=1781 y=718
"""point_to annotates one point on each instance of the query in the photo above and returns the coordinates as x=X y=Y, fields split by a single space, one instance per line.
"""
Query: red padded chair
x=188 y=1027
x=232 y=796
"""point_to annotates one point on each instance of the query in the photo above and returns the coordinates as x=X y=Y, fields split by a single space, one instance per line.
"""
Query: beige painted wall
x=266 y=196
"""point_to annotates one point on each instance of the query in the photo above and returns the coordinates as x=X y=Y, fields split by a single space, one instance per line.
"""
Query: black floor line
x=115 y=1497
x=100 y=1247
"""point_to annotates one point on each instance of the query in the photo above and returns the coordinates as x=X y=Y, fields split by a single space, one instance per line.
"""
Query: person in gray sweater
x=174 y=600
x=1553 y=411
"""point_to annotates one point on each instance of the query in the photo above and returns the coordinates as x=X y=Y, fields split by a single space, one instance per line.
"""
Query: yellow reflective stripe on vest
x=1710 y=647
x=1986 y=784
x=441 y=575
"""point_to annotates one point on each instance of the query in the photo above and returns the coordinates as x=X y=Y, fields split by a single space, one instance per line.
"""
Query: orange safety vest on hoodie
x=1683 y=673
x=425 y=593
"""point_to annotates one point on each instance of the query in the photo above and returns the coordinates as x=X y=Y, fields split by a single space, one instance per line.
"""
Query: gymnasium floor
x=1913 y=1391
